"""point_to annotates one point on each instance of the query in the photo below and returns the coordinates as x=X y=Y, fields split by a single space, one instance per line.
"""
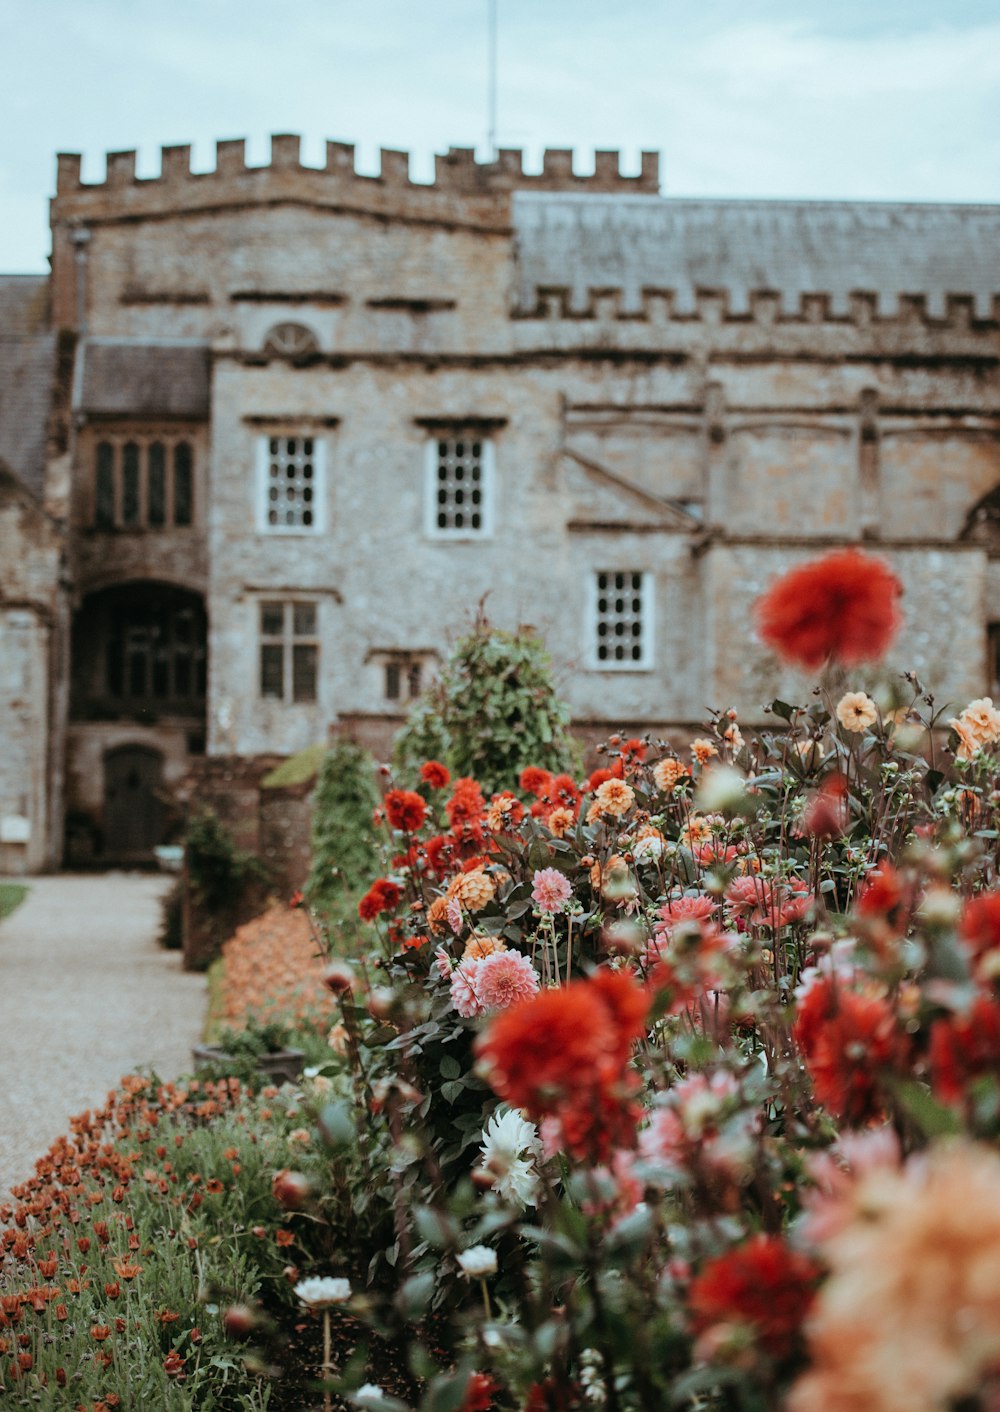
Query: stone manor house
x=269 y=434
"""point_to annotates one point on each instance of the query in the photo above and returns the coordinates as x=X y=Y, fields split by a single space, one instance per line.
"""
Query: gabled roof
x=124 y=378
x=834 y=248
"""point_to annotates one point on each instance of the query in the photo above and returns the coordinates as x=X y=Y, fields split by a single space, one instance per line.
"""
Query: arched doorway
x=137 y=717
x=133 y=805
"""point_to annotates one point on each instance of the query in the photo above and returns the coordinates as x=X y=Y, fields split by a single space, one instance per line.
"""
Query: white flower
x=478 y=1261
x=369 y=1395
x=648 y=848
x=320 y=1293
x=510 y=1152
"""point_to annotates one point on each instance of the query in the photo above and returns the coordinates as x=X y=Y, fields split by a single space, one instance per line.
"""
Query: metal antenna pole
x=493 y=81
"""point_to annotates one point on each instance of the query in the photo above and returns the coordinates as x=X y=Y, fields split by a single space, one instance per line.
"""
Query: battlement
x=458 y=176
x=762 y=307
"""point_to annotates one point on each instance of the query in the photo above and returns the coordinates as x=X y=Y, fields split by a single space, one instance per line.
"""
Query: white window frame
x=647 y=594
x=487 y=484
x=287 y=641
x=319 y=458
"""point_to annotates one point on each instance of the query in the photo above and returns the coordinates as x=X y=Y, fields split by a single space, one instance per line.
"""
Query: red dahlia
x=405 y=810
x=382 y=896
x=841 y=608
x=963 y=1048
x=433 y=773
x=565 y=1054
x=764 y=1284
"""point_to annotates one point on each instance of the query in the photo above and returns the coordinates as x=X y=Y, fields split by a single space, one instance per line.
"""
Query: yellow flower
x=703 y=750
x=479 y=946
x=473 y=890
x=668 y=773
x=856 y=711
x=976 y=727
x=614 y=798
x=561 y=821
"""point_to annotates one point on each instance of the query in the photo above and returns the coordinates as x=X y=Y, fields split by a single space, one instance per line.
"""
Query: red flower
x=565 y=1054
x=382 y=896
x=433 y=773
x=981 y=924
x=405 y=809
x=466 y=805
x=479 y=1393
x=535 y=781
x=843 y=607
x=963 y=1047
x=881 y=892
x=173 y=1364
x=763 y=1284
x=826 y=814
x=846 y=1037
x=598 y=778
x=439 y=852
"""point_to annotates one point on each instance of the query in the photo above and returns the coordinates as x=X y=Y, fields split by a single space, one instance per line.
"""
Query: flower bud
x=291 y=1189
x=381 y=1002
x=339 y=977
x=239 y=1321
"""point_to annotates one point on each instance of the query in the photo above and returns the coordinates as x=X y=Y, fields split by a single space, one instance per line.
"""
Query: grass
x=297 y=769
x=11 y=896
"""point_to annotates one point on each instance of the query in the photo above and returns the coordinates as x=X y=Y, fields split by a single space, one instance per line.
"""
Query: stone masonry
x=616 y=414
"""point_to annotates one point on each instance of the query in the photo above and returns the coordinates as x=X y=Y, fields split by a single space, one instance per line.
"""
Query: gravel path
x=86 y=995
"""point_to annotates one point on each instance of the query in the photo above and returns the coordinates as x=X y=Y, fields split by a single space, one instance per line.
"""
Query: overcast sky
x=882 y=99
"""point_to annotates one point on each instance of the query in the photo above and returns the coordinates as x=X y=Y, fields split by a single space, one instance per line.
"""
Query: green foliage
x=344 y=851
x=493 y=711
x=11 y=896
x=171 y=933
x=256 y=1038
x=218 y=871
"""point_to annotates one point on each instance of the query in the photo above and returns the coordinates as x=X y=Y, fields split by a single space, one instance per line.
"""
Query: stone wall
x=707 y=433
x=32 y=662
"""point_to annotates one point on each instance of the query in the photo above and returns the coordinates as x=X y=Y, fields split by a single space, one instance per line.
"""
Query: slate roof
x=27 y=371
x=131 y=379
x=835 y=248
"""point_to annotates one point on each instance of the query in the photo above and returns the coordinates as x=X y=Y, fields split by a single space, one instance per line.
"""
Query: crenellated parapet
x=464 y=191
x=762 y=308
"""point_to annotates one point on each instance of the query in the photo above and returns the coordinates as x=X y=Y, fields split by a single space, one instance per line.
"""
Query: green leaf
x=932 y=1118
x=450 y=1068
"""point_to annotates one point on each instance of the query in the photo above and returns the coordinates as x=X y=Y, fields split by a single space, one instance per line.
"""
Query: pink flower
x=444 y=963
x=503 y=979
x=455 y=915
x=551 y=890
x=465 y=987
x=684 y=909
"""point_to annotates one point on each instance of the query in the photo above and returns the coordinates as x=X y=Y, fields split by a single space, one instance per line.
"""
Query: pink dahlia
x=685 y=909
x=465 y=988
x=503 y=979
x=551 y=890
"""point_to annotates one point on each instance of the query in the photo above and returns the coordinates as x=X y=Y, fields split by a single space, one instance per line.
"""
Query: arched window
x=291 y=340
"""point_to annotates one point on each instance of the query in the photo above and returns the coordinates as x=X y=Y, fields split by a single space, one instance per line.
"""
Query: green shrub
x=218 y=871
x=171 y=933
x=493 y=711
x=344 y=848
